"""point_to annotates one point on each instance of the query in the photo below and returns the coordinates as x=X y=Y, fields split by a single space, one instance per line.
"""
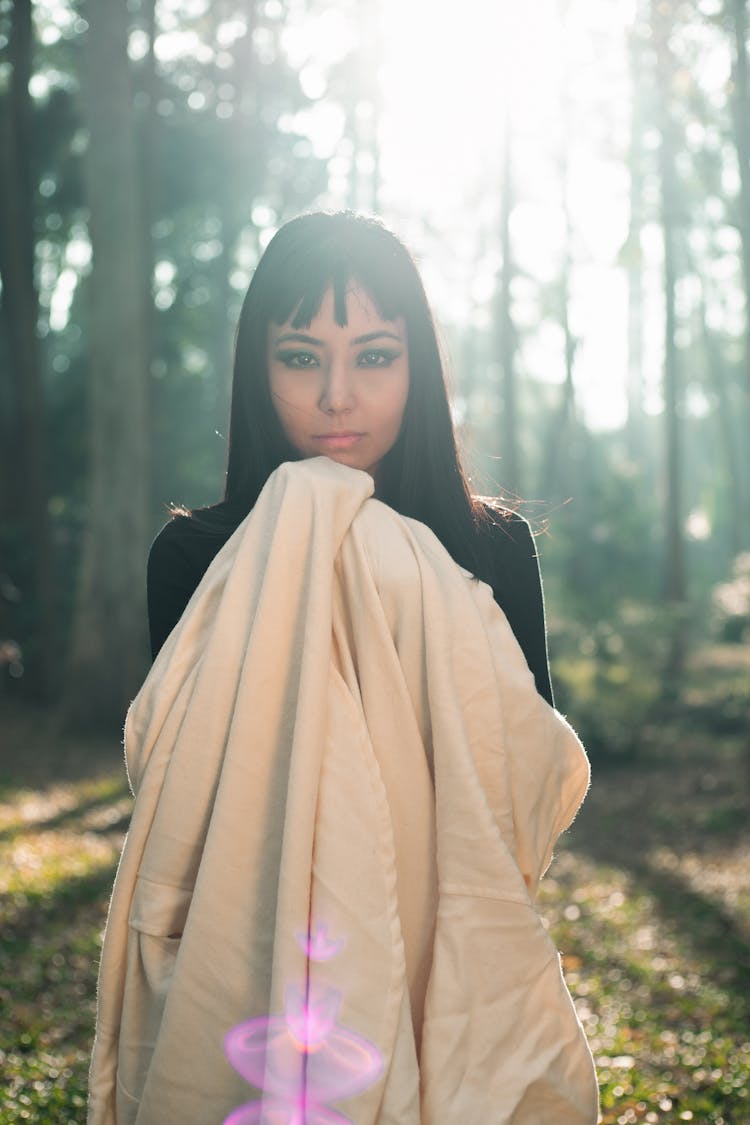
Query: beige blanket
x=347 y=790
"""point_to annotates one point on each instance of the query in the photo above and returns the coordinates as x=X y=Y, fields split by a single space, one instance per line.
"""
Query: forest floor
x=648 y=900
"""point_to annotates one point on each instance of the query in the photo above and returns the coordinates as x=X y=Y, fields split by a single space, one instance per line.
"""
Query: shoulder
x=510 y=551
x=517 y=586
x=508 y=532
x=179 y=556
x=173 y=540
x=186 y=544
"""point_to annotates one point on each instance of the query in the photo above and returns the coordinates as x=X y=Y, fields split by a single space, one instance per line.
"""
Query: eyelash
x=298 y=360
x=294 y=359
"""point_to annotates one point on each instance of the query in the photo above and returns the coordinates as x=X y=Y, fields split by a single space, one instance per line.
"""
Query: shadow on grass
x=717 y=938
x=682 y=807
x=25 y=913
x=69 y=816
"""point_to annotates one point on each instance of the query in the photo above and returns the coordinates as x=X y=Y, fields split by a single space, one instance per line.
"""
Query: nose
x=337 y=394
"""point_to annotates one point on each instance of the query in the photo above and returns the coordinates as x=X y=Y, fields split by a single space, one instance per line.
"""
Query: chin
x=344 y=458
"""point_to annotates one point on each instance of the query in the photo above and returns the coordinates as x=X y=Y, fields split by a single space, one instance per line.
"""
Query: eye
x=377 y=357
x=298 y=359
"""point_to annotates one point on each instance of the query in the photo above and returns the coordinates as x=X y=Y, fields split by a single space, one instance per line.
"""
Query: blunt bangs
x=329 y=251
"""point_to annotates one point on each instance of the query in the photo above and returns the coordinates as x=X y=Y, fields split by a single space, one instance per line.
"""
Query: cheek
x=291 y=398
x=281 y=389
x=401 y=397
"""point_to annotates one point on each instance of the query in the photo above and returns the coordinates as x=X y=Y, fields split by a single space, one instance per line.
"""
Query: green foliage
x=608 y=676
x=731 y=603
x=612 y=679
x=603 y=545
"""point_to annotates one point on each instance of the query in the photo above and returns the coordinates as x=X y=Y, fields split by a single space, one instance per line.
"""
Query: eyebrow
x=302 y=338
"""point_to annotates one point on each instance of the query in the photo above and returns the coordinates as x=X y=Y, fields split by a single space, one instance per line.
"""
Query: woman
x=348 y=775
x=284 y=404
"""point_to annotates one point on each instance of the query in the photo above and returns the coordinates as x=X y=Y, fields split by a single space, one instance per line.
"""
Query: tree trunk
x=377 y=175
x=674 y=578
x=509 y=445
x=149 y=172
x=634 y=261
x=109 y=652
x=23 y=491
x=740 y=102
x=674 y=583
x=675 y=589
x=717 y=374
x=241 y=155
x=559 y=469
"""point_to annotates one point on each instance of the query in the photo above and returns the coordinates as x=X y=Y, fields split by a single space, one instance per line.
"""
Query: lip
x=338 y=441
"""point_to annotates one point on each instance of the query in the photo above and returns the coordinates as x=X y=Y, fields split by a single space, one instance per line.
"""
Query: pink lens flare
x=283 y=1113
x=303 y=1059
x=311 y=1020
x=270 y=1056
x=318 y=946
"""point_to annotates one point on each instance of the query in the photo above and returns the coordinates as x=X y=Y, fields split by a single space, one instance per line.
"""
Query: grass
x=59 y=844
x=655 y=942
x=648 y=899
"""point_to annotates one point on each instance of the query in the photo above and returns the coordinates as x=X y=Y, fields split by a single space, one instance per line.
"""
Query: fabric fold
x=347 y=790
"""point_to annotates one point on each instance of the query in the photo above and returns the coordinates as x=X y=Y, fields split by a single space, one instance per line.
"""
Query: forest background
x=575 y=183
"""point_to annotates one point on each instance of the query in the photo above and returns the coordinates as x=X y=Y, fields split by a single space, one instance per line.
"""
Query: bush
x=730 y=602
x=609 y=677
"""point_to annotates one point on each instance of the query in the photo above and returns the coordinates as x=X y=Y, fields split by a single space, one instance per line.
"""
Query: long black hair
x=421 y=475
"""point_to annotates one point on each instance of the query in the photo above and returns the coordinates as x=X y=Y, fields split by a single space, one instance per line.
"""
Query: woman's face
x=341 y=392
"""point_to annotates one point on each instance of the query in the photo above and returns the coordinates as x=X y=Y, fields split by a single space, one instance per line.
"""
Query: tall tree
x=353 y=83
x=108 y=651
x=558 y=465
x=243 y=155
x=505 y=329
x=566 y=457
x=148 y=126
x=719 y=383
x=23 y=488
x=740 y=103
x=632 y=254
x=675 y=587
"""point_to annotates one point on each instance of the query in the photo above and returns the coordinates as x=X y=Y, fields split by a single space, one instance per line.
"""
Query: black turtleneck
x=184 y=548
